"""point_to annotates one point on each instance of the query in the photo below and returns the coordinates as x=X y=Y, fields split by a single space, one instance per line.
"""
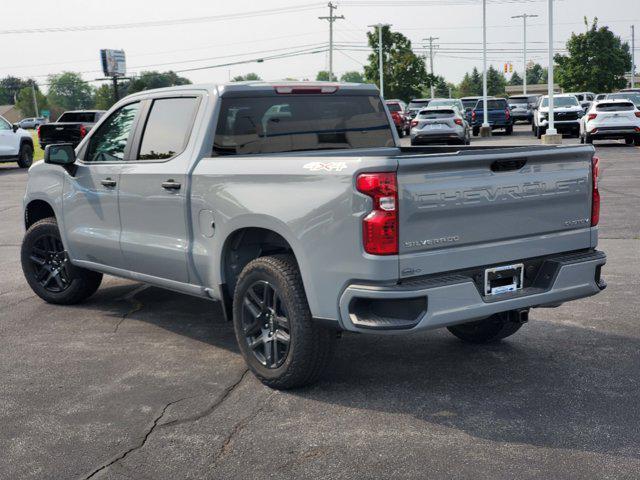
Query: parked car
x=499 y=115
x=317 y=223
x=632 y=96
x=416 y=105
x=448 y=102
x=585 y=99
x=32 y=122
x=469 y=104
x=397 y=109
x=436 y=124
x=611 y=119
x=71 y=127
x=567 y=115
x=16 y=144
x=522 y=107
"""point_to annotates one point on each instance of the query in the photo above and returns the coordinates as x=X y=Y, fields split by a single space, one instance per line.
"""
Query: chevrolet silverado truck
x=294 y=205
x=71 y=127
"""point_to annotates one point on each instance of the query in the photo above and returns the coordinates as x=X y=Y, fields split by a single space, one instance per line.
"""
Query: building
x=535 y=89
x=11 y=113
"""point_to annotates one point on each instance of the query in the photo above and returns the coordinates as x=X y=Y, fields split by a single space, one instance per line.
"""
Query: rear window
x=493 y=104
x=78 y=117
x=518 y=99
x=394 y=107
x=418 y=103
x=615 y=107
x=439 y=113
x=288 y=123
x=168 y=127
x=469 y=103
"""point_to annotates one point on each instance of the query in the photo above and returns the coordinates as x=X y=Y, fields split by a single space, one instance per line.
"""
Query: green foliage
x=404 y=72
x=352 y=77
x=153 y=79
x=69 y=92
x=496 y=82
x=245 y=78
x=597 y=61
x=5 y=97
x=9 y=88
x=323 y=76
x=471 y=84
x=24 y=101
x=103 y=97
x=515 y=79
x=536 y=75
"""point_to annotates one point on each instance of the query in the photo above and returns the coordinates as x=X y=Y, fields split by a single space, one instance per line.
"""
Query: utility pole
x=379 y=26
x=524 y=17
x=35 y=101
x=331 y=18
x=485 y=130
x=430 y=40
x=633 y=56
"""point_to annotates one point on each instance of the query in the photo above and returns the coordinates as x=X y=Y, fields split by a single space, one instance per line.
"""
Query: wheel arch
x=36 y=210
x=26 y=140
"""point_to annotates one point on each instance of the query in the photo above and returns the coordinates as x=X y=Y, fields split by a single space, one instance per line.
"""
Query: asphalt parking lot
x=139 y=383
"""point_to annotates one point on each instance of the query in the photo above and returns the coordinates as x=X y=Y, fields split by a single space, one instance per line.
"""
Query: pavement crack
x=209 y=410
x=137 y=305
x=141 y=444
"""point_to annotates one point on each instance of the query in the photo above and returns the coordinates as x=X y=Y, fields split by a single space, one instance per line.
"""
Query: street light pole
x=379 y=27
x=633 y=56
x=485 y=131
x=524 y=17
x=551 y=130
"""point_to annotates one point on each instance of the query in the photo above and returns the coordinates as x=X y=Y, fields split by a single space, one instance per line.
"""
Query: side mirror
x=15 y=127
x=60 y=154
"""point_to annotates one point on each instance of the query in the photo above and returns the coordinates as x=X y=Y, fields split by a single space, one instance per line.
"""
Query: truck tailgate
x=474 y=208
x=60 y=133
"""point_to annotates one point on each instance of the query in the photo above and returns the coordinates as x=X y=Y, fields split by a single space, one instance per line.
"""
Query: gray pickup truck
x=294 y=206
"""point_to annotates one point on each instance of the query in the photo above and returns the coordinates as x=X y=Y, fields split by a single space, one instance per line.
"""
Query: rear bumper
x=449 y=299
x=443 y=135
x=613 y=132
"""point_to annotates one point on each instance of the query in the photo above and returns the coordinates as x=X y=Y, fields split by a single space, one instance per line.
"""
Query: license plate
x=507 y=278
x=433 y=126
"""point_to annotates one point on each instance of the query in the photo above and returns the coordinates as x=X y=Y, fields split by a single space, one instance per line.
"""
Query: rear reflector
x=306 y=90
x=595 y=201
x=380 y=227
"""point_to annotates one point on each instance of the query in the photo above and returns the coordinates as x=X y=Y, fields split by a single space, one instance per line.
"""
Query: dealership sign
x=113 y=63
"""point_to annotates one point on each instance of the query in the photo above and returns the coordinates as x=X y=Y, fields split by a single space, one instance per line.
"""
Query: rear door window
x=168 y=128
x=299 y=122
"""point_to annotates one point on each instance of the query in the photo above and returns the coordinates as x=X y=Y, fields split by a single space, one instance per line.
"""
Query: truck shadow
x=551 y=385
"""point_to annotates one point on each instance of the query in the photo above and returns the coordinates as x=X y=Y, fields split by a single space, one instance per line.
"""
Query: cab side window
x=4 y=125
x=108 y=143
x=168 y=128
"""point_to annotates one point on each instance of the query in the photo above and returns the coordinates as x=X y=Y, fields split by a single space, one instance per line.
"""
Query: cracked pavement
x=143 y=383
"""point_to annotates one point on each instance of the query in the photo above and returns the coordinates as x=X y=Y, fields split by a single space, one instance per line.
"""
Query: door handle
x=171 y=184
x=108 y=182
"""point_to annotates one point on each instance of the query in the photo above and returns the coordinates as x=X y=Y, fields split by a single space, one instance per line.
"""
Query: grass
x=38 y=153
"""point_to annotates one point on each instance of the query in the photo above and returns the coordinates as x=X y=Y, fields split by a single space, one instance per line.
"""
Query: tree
x=103 y=97
x=9 y=88
x=515 y=79
x=495 y=82
x=352 y=77
x=323 y=76
x=471 y=85
x=597 y=61
x=154 y=79
x=404 y=72
x=247 y=77
x=69 y=92
x=441 y=87
x=24 y=101
x=536 y=75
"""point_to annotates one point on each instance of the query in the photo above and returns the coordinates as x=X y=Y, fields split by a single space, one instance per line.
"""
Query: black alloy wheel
x=50 y=264
x=265 y=324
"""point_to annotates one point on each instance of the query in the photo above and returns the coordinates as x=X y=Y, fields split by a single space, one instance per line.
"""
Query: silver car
x=440 y=125
x=32 y=122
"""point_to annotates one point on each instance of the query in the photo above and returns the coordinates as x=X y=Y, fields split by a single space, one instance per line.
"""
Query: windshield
x=418 y=103
x=394 y=107
x=288 y=123
x=634 y=97
x=561 y=102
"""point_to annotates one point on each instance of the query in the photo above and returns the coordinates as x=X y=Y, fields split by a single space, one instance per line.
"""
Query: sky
x=215 y=41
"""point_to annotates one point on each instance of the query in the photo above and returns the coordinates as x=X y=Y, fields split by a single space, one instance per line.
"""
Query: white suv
x=611 y=119
x=16 y=144
x=567 y=113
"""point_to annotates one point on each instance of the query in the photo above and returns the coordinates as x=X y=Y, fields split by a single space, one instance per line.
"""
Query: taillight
x=595 y=201
x=507 y=114
x=380 y=227
x=473 y=115
x=39 y=130
x=591 y=116
x=457 y=121
x=83 y=131
x=637 y=114
x=414 y=123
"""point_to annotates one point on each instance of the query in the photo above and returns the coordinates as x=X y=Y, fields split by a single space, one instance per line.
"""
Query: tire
x=71 y=284
x=287 y=353
x=476 y=131
x=400 y=132
x=628 y=141
x=491 y=329
x=539 y=132
x=25 y=156
x=582 y=139
x=636 y=140
x=509 y=130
